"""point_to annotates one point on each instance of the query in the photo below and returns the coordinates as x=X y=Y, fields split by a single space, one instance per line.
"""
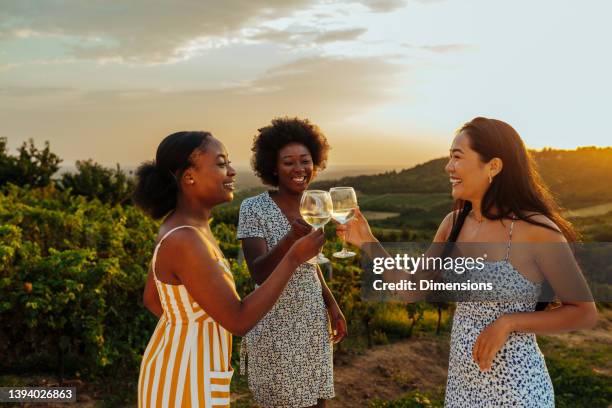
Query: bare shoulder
x=184 y=243
x=448 y=219
x=546 y=231
x=445 y=226
x=181 y=235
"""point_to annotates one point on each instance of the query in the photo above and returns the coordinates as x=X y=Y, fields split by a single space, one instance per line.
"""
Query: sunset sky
x=388 y=81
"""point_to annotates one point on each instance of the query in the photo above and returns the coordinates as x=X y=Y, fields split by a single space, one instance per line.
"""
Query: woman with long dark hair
x=190 y=286
x=500 y=199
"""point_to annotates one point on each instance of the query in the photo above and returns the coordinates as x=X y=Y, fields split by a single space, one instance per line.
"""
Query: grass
x=590 y=211
x=576 y=372
x=393 y=320
x=241 y=396
x=379 y=215
x=413 y=399
x=402 y=201
x=595 y=228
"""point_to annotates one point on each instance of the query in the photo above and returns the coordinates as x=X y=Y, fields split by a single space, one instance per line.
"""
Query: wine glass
x=344 y=202
x=316 y=209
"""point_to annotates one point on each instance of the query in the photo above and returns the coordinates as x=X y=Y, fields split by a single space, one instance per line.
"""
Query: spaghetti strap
x=510 y=239
x=162 y=240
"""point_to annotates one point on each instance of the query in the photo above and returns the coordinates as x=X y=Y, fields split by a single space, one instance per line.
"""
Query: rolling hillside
x=578 y=178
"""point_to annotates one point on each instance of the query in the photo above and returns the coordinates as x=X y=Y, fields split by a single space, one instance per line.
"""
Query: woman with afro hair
x=290 y=350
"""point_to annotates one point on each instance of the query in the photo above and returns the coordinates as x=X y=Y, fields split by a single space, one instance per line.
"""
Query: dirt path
x=391 y=370
x=598 y=339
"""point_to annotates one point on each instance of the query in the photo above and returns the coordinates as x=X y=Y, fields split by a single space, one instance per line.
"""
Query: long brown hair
x=517 y=189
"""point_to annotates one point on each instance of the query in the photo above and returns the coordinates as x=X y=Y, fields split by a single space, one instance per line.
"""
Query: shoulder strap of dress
x=174 y=229
x=510 y=238
x=162 y=240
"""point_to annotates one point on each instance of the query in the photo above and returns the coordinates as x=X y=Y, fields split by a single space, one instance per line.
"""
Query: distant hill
x=247 y=179
x=577 y=178
x=428 y=177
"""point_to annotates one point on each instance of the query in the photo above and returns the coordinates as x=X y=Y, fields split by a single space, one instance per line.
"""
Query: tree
x=31 y=167
x=93 y=180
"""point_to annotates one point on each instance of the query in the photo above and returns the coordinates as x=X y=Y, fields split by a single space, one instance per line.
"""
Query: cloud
x=384 y=6
x=331 y=88
x=441 y=48
x=284 y=36
x=138 y=30
x=447 y=48
x=36 y=92
x=158 y=31
x=307 y=36
x=330 y=81
x=125 y=126
x=340 y=35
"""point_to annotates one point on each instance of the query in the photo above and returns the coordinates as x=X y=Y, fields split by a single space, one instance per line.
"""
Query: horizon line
x=387 y=165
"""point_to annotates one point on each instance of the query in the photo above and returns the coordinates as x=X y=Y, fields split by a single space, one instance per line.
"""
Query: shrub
x=31 y=166
x=71 y=283
x=93 y=180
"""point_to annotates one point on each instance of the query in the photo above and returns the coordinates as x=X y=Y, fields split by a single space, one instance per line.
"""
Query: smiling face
x=295 y=168
x=469 y=175
x=211 y=177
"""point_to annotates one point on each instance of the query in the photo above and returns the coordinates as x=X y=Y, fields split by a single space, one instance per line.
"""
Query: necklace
x=479 y=221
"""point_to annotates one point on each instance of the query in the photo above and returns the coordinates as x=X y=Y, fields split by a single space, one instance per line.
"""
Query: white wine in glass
x=343 y=216
x=316 y=221
x=316 y=209
x=344 y=201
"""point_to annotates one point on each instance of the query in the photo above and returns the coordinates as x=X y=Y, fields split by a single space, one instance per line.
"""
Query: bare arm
x=562 y=272
x=262 y=262
x=357 y=232
x=151 y=297
x=570 y=316
x=558 y=265
x=213 y=289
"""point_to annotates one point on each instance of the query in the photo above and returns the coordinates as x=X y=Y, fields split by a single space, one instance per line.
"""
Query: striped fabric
x=187 y=362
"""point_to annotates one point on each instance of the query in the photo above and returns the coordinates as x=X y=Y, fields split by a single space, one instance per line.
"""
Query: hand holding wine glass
x=357 y=231
x=299 y=228
x=316 y=209
x=344 y=202
x=308 y=245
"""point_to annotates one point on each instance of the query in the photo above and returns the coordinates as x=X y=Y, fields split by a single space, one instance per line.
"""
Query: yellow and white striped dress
x=187 y=362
